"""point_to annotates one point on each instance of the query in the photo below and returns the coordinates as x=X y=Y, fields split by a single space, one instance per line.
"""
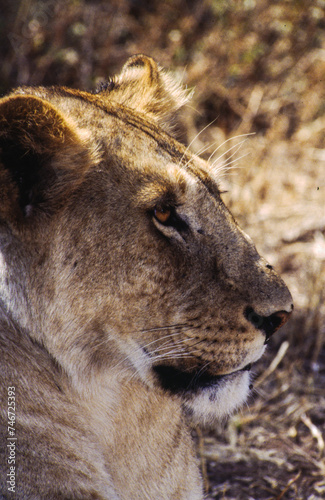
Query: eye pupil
x=162 y=214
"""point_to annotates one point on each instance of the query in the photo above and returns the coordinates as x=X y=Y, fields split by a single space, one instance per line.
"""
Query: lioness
x=131 y=303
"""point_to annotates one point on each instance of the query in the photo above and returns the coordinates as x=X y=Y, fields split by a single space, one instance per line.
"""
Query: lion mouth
x=178 y=381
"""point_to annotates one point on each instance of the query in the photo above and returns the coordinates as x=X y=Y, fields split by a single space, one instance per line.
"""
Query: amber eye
x=162 y=214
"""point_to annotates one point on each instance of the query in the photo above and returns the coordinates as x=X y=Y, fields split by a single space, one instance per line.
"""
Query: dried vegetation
x=258 y=67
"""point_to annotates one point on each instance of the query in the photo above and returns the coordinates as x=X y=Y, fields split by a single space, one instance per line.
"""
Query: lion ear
x=143 y=86
x=41 y=157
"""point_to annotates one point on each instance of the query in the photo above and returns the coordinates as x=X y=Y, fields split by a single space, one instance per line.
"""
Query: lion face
x=127 y=245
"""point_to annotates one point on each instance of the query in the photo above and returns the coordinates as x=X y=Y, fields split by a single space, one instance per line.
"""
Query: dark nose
x=268 y=324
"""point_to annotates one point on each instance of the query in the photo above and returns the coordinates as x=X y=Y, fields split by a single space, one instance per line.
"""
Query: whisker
x=157 y=358
x=156 y=328
x=166 y=346
x=134 y=374
x=222 y=170
x=227 y=140
x=160 y=339
x=170 y=348
x=197 y=135
x=199 y=373
x=225 y=164
x=163 y=359
x=138 y=348
x=204 y=148
x=171 y=355
x=236 y=147
x=199 y=341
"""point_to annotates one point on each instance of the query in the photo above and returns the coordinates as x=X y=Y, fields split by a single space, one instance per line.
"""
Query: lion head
x=118 y=252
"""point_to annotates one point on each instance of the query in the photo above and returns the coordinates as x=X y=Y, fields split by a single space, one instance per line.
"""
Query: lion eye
x=162 y=214
x=167 y=216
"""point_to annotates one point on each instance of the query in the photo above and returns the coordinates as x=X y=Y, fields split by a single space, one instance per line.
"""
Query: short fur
x=131 y=303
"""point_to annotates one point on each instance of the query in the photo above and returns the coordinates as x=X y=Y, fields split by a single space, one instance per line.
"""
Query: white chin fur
x=217 y=402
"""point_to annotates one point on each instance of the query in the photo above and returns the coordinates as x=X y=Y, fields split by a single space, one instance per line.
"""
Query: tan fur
x=118 y=328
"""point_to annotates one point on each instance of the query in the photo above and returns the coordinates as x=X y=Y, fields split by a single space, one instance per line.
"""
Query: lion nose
x=268 y=324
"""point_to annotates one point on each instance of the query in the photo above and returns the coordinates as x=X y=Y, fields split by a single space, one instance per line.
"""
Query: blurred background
x=258 y=68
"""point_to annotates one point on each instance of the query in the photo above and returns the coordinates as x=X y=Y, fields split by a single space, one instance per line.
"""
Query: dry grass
x=258 y=67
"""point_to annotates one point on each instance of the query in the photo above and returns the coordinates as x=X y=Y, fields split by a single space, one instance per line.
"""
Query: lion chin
x=207 y=399
x=218 y=401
